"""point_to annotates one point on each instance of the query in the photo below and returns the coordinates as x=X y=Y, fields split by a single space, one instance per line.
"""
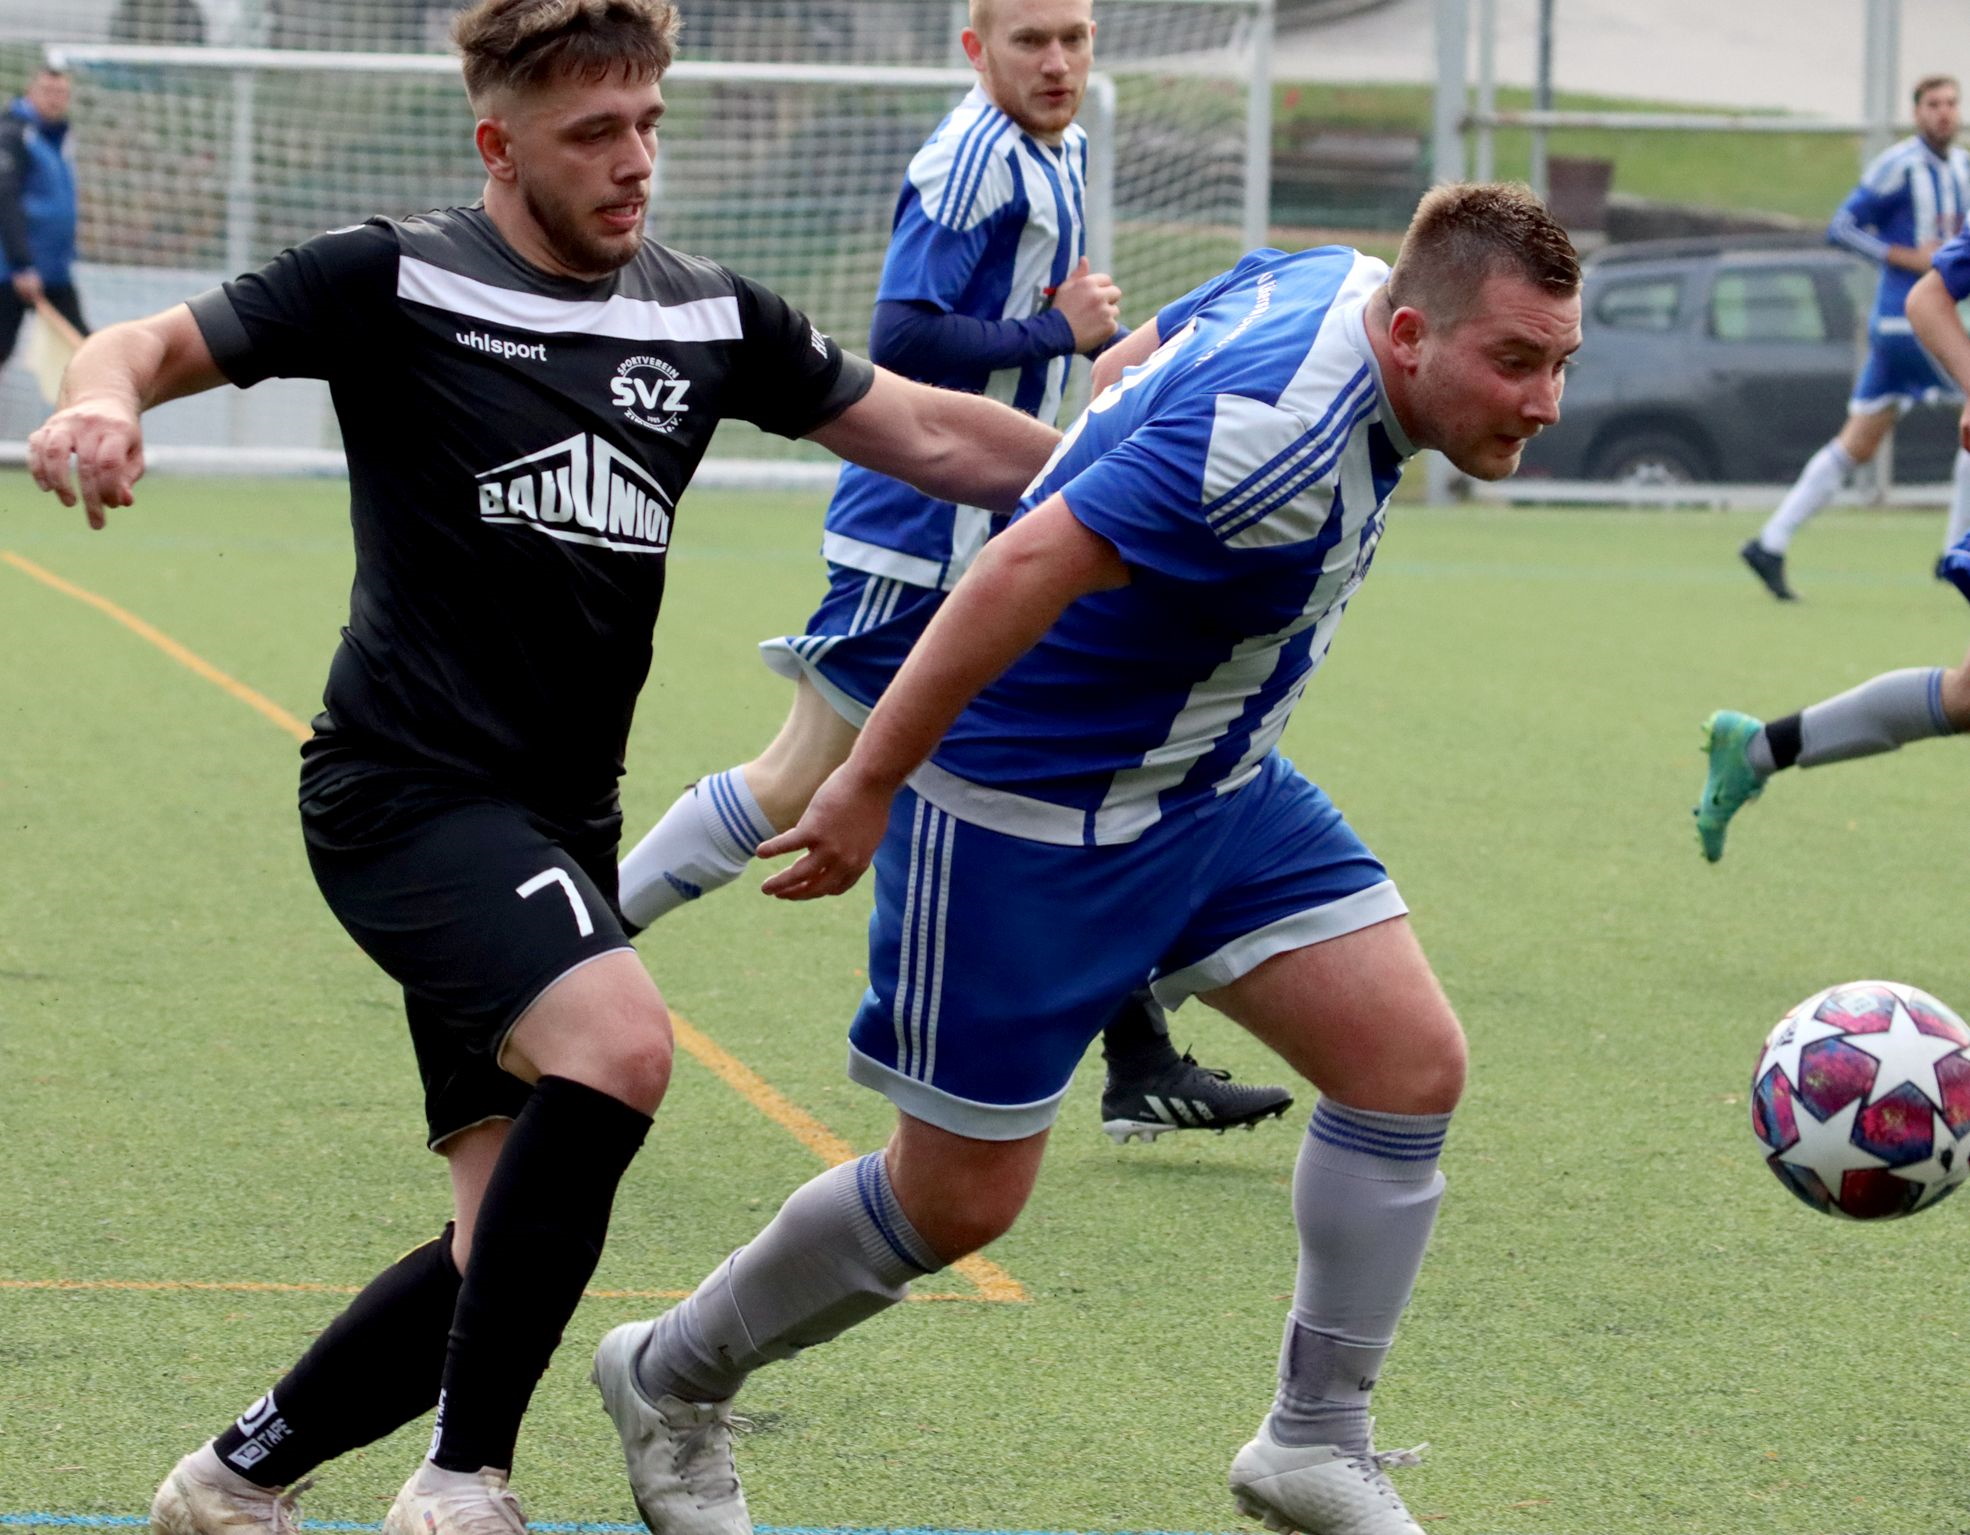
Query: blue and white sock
x=705 y=840
x=1365 y=1195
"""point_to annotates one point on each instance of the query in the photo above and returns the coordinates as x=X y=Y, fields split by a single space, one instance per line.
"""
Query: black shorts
x=472 y=903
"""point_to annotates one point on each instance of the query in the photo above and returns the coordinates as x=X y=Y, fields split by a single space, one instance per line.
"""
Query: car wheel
x=1650 y=458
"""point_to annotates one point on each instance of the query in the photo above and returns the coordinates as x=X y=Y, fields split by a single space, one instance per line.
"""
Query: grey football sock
x=1365 y=1196
x=839 y=1251
x=1880 y=715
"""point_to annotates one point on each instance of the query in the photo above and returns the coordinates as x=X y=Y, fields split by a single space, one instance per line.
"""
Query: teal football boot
x=1731 y=783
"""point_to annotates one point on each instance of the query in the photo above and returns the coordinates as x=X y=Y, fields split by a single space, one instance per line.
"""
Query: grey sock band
x=1395 y=1148
x=839 y=1251
x=1881 y=715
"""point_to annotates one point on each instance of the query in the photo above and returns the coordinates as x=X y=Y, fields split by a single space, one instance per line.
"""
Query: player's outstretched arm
x=119 y=374
x=955 y=447
x=1017 y=587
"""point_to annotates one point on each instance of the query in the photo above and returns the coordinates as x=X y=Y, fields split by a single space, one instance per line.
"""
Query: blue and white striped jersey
x=1908 y=195
x=990 y=220
x=1242 y=471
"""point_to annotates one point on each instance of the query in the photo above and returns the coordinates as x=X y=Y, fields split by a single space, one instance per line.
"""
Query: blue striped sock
x=732 y=815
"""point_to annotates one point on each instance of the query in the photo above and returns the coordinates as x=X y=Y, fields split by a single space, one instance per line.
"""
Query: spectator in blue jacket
x=37 y=206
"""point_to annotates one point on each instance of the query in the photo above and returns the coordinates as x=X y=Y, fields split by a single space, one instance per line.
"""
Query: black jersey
x=517 y=445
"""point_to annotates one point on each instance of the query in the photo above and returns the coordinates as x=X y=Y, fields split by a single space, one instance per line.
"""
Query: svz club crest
x=649 y=392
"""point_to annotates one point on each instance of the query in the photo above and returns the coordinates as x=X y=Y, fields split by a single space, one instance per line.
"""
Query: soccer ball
x=1862 y=1100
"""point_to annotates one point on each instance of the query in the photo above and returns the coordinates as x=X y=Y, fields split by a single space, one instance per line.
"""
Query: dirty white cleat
x=679 y=1453
x=205 y=1496
x=440 y=1502
x=1321 y=1489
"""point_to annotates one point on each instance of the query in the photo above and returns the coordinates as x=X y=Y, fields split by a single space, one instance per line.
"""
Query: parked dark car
x=1721 y=360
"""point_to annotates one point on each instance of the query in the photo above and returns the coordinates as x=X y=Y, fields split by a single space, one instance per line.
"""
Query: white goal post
x=195 y=163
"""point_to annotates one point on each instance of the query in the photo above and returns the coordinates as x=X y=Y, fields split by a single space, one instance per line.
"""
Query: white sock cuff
x=731 y=815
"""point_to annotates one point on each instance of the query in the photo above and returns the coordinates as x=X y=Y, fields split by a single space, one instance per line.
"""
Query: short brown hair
x=523 y=44
x=1930 y=83
x=1464 y=233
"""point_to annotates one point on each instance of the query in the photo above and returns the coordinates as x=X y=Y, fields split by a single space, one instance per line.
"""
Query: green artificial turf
x=1625 y=1327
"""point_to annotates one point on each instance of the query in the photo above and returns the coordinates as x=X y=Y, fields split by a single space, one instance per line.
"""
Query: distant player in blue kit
x=1074 y=782
x=37 y=206
x=1910 y=200
x=986 y=288
x=1884 y=713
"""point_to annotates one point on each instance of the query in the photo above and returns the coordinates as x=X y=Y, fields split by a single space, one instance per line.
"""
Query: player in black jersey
x=525 y=389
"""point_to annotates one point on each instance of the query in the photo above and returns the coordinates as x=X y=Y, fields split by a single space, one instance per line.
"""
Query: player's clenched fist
x=1092 y=304
x=107 y=446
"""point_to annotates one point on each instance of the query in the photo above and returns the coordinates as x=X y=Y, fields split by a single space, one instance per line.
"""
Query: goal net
x=208 y=135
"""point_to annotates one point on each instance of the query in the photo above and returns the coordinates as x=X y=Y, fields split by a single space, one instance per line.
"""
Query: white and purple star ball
x=1861 y=1101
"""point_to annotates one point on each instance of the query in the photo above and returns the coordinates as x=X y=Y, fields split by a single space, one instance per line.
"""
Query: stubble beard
x=572 y=245
x=1056 y=121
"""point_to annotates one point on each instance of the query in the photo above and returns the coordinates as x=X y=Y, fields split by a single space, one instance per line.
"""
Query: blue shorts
x=1898 y=373
x=995 y=960
x=856 y=639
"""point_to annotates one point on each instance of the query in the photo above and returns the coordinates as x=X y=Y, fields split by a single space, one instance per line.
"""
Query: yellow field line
x=993 y=1282
x=258 y=702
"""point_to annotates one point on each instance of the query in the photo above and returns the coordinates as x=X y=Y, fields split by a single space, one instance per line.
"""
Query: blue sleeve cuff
x=922 y=342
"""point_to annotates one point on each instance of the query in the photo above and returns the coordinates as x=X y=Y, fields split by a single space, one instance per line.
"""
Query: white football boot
x=440 y=1502
x=205 y=1496
x=1321 y=1489
x=679 y=1453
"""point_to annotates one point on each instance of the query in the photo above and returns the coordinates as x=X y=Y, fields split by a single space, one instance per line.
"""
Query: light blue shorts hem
x=1243 y=955
x=960 y=1116
x=1901 y=404
x=783 y=660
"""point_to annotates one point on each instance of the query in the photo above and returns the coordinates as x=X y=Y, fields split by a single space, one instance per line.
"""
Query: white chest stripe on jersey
x=624 y=319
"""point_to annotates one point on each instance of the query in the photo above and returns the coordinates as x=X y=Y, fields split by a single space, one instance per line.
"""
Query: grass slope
x=1802 y=174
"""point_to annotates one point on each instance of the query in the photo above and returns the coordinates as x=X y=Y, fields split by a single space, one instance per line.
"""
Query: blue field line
x=544 y=1526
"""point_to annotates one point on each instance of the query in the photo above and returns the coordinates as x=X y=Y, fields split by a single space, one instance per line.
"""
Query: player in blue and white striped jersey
x=986 y=288
x=1911 y=198
x=1100 y=702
